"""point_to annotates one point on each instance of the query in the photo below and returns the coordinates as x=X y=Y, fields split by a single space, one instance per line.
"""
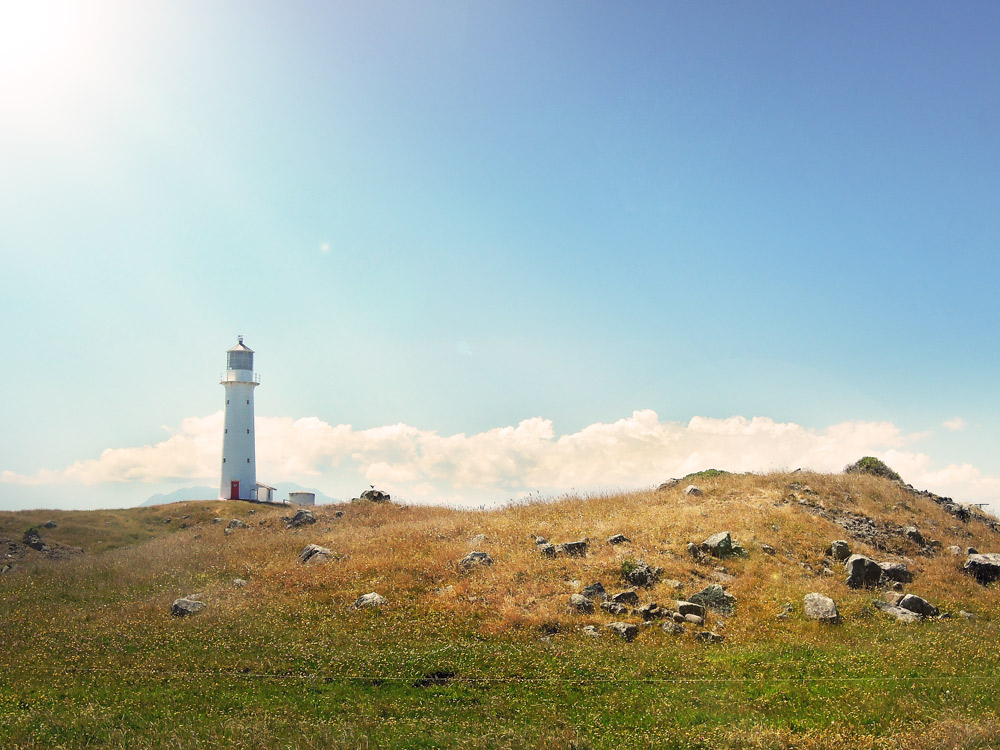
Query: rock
x=475 y=558
x=575 y=549
x=767 y=549
x=955 y=550
x=891 y=597
x=239 y=583
x=839 y=550
x=690 y=608
x=914 y=535
x=591 y=631
x=595 y=592
x=715 y=598
x=302 y=517
x=619 y=539
x=236 y=524
x=678 y=617
x=630 y=598
x=5 y=569
x=668 y=485
x=694 y=619
x=694 y=551
x=692 y=490
x=32 y=539
x=367 y=601
x=217 y=519
x=581 y=604
x=966 y=615
x=374 y=496
x=651 y=611
x=985 y=567
x=919 y=605
x=50 y=524
x=709 y=636
x=971 y=551
x=643 y=575
x=625 y=630
x=338 y=514
x=718 y=545
x=477 y=540
x=541 y=540
x=862 y=572
x=614 y=608
x=820 y=607
x=547 y=550
x=901 y=615
x=896 y=571
x=673 y=628
x=314 y=554
x=185 y=607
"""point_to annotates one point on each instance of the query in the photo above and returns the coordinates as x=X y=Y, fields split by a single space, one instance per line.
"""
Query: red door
x=234 y=489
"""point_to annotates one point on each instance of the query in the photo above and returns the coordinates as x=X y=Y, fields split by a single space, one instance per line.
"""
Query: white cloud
x=504 y=462
x=955 y=424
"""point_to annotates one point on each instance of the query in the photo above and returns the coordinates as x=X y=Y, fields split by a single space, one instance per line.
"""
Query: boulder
x=767 y=549
x=374 y=496
x=694 y=551
x=708 y=636
x=642 y=574
x=690 y=608
x=651 y=611
x=631 y=598
x=595 y=592
x=625 y=630
x=575 y=549
x=919 y=605
x=692 y=490
x=914 y=535
x=985 y=567
x=955 y=550
x=591 y=631
x=368 y=601
x=673 y=628
x=668 y=485
x=186 y=606
x=32 y=539
x=475 y=558
x=547 y=550
x=718 y=545
x=839 y=550
x=5 y=569
x=896 y=571
x=862 y=572
x=217 y=519
x=619 y=539
x=314 y=554
x=820 y=607
x=302 y=517
x=694 y=619
x=614 y=608
x=715 y=598
x=236 y=524
x=901 y=615
x=239 y=582
x=581 y=604
x=50 y=524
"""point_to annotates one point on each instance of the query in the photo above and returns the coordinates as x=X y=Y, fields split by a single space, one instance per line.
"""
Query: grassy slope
x=92 y=658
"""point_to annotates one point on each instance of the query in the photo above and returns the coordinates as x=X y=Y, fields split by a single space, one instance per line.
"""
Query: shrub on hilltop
x=873 y=466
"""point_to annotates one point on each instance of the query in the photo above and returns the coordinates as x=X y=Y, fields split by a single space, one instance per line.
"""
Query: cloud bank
x=509 y=462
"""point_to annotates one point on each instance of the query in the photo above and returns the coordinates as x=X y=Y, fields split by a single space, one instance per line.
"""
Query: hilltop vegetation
x=494 y=656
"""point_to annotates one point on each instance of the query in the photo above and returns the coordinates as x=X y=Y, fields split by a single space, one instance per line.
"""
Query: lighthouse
x=239 y=459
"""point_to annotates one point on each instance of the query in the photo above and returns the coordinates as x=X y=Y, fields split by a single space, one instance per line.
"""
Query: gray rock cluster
x=863 y=572
x=302 y=517
x=569 y=549
x=370 y=601
x=984 y=567
x=372 y=496
x=473 y=559
x=642 y=574
x=234 y=525
x=722 y=545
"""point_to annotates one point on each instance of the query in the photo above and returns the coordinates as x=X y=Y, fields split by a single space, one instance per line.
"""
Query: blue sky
x=460 y=216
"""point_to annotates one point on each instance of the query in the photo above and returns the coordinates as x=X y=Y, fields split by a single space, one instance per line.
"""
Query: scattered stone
x=651 y=611
x=625 y=630
x=5 y=569
x=239 y=582
x=896 y=571
x=901 y=615
x=575 y=549
x=373 y=496
x=718 y=545
x=591 y=631
x=475 y=558
x=618 y=539
x=32 y=539
x=678 y=617
x=767 y=549
x=251 y=512
x=236 y=524
x=914 y=535
x=720 y=575
x=595 y=592
x=581 y=604
x=673 y=628
x=709 y=636
x=820 y=607
x=668 y=485
x=919 y=605
x=630 y=598
x=674 y=584
x=862 y=572
x=955 y=550
x=184 y=607
x=614 y=608
x=315 y=555
x=477 y=540
x=694 y=551
x=217 y=519
x=839 y=550
x=692 y=490
x=690 y=608
x=642 y=574
x=302 y=517
x=52 y=524
x=694 y=619
x=547 y=550
x=985 y=567
x=715 y=598
x=338 y=514
x=367 y=601
x=541 y=540
x=966 y=615
x=892 y=597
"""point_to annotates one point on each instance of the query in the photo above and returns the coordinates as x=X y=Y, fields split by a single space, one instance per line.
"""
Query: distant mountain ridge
x=281 y=491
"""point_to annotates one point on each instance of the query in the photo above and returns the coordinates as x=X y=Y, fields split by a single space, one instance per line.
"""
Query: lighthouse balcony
x=239 y=376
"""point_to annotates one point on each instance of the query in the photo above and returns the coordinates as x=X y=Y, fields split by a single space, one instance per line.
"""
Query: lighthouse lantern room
x=239 y=460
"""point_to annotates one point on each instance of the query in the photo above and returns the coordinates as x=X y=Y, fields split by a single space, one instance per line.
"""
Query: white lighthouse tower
x=239 y=459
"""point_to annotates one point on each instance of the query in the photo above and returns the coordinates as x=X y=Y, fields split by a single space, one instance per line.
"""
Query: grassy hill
x=493 y=656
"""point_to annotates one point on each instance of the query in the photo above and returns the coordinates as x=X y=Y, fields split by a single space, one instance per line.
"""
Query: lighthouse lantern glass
x=240 y=360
